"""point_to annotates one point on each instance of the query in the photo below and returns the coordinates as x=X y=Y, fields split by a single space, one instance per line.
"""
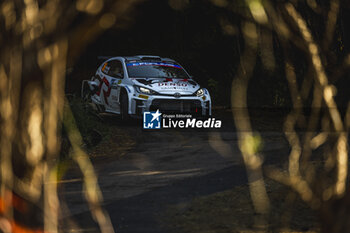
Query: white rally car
x=132 y=85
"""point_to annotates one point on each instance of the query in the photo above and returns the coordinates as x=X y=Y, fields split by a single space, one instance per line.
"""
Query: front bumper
x=167 y=104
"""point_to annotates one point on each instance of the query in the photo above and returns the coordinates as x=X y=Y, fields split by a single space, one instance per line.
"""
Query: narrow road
x=160 y=168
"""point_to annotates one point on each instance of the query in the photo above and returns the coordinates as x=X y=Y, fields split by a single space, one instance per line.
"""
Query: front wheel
x=124 y=110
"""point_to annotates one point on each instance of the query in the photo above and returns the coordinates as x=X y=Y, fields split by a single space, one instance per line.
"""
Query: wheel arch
x=123 y=91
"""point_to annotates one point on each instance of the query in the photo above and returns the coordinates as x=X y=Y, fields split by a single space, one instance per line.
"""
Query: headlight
x=144 y=90
x=200 y=92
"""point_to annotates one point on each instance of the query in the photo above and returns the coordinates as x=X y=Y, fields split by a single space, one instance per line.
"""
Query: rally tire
x=124 y=108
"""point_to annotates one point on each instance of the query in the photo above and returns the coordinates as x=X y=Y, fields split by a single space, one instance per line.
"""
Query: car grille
x=172 y=94
x=176 y=106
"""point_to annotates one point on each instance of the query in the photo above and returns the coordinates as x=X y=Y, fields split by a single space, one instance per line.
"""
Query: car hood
x=168 y=85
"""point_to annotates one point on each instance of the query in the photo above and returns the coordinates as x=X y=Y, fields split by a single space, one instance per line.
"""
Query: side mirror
x=92 y=84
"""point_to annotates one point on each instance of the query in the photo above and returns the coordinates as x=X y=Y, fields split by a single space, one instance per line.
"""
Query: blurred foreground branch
x=317 y=166
x=91 y=189
x=39 y=40
x=249 y=142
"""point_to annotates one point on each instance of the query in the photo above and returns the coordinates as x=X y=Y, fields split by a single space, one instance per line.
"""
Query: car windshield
x=155 y=70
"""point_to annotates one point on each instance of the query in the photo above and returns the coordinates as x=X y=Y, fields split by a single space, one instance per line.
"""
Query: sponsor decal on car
x=153 y=64
x=157 y=120
x=143 y=96
x=104 y=66
x=172 y=84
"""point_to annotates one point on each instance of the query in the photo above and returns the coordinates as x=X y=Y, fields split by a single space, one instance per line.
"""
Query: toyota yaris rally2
x=132 y=85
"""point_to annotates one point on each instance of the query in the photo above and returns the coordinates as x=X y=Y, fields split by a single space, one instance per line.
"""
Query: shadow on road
x=140 y=213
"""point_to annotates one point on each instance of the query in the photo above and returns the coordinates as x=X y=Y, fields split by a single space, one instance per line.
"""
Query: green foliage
x=90 y=125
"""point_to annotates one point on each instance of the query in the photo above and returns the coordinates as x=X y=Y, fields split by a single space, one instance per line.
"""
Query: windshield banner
x=153 y=64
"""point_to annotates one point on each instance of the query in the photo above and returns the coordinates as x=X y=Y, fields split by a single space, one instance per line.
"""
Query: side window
x=116 y=69
x=113 y=68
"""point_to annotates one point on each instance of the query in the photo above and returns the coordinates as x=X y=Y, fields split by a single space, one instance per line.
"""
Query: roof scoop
x=148 y=57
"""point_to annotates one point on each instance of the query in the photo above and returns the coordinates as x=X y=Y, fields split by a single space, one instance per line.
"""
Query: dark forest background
x=206 y=39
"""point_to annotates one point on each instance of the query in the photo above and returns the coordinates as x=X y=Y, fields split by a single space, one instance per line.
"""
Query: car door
x=116 y=74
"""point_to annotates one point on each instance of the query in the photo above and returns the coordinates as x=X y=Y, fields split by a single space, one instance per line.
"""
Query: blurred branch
x=40 y=38
x=327 y=93
x=321 y=184
x=330 y=24
x=90 y=29
x=93 y=193
x=9 y=94
x=53 y=105
x=297 y=183
x=247 y=140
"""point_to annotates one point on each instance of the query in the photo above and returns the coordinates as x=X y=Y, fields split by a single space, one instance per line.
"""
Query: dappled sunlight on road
x=168 y=173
